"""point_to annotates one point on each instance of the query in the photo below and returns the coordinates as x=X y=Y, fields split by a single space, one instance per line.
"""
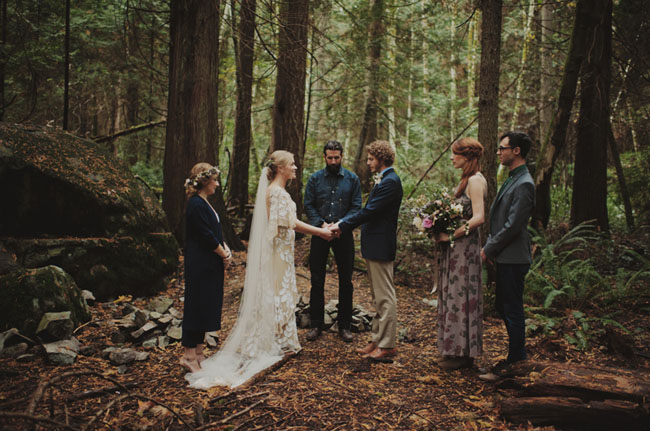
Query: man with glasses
x=508 y=244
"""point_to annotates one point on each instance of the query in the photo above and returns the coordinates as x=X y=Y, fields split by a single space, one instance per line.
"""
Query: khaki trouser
x=384 y=324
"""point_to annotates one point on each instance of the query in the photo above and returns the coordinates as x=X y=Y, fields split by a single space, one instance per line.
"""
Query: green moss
x=29 y=294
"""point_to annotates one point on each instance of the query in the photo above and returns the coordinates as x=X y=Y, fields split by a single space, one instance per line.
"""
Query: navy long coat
x=204 y=269
x=379 y=219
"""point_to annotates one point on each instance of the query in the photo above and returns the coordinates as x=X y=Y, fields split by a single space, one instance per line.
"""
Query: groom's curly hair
x=382 y=151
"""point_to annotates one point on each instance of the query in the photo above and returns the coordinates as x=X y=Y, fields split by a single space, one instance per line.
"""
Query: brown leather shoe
x=314 y=333
x=380 y=353
x=346 y=335
x=369 y=348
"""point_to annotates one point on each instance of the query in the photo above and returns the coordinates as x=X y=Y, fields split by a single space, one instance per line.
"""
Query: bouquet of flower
x=439 y=215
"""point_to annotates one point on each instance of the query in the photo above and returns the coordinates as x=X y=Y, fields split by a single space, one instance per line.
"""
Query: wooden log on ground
x=576 y=396
x=576 y=380
x=573 y=413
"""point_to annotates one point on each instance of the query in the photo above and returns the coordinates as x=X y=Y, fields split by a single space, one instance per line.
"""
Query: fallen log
x=573 y=413
x=576 y=396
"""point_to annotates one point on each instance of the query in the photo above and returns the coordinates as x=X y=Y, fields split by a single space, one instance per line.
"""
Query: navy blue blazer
x=379 y=219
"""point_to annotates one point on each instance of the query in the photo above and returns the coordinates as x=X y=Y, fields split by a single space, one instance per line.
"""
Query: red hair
x=472 y=150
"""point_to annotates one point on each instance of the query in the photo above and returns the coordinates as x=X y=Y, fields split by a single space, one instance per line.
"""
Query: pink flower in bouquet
x=427 y=223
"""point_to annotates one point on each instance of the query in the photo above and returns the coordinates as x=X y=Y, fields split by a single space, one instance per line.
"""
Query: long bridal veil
x=251 y=346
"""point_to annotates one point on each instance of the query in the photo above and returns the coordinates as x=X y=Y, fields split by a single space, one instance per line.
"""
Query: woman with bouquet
x=460 y=294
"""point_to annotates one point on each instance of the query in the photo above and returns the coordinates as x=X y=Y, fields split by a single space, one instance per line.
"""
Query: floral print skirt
x=460 y=298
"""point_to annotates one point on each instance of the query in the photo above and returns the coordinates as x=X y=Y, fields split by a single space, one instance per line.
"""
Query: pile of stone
x=157 y=325
x=361 y=318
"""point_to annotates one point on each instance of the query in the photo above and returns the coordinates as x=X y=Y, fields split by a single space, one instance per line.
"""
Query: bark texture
x=289 y=101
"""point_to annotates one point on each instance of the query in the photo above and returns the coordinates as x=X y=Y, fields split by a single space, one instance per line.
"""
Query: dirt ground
x=326 y=387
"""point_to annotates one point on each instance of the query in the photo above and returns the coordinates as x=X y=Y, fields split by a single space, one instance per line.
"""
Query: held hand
x=334 y=227
x=326 y=234
x=485 y=258
x=442 y=237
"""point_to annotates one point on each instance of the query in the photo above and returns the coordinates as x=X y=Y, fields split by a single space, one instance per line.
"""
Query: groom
x=379 y=245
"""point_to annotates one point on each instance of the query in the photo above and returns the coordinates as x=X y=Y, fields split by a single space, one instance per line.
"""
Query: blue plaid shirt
x=330 y=197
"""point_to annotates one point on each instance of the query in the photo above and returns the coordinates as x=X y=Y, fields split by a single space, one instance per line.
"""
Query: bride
x=265 y=330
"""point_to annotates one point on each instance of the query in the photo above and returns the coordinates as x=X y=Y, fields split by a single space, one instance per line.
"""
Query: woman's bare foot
x=192 y=365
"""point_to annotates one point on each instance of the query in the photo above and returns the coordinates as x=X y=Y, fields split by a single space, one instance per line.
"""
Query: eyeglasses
x=502 y=148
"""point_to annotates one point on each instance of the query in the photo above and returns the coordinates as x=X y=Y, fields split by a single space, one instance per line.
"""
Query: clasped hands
x=330 y=231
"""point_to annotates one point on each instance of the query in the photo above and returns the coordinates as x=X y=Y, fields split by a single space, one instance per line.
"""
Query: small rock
x=210 y=341
x=118 y=338
x=166 y=318
x=175 y=313
x=88 y=350
x=55 y=326
x=88 y=296
x=150 y=343
x=163 y=341
x=432 y=302
x=145 y=328
x=303 y=320
x=140 y=317
x=175 y=332
x=155 y=315
x=62 y=352
x=122 y=356
x=141 y=356
x=122 y=369
x=176 y=322
x=332 y=306
x=160 y=304
x=327 y=321
x=13 y=351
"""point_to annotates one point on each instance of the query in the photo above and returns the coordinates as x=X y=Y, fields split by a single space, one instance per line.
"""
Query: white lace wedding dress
x=266 y=326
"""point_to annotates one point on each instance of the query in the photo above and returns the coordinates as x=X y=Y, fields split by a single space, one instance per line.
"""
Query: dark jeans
x=510 y=305
x=192 y=338
x=343 y=248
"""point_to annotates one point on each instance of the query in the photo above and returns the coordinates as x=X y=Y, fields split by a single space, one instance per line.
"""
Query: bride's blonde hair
x=276 y=159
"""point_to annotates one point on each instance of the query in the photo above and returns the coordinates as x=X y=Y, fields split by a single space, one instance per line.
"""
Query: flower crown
x=195 y=179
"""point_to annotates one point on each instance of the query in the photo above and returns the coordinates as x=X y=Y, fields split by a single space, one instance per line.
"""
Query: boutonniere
x=376 y=179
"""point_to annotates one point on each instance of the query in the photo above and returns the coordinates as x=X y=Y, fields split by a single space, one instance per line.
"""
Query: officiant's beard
x=334 y=169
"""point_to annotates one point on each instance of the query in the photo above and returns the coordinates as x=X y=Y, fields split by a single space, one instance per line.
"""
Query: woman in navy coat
x=206 y=256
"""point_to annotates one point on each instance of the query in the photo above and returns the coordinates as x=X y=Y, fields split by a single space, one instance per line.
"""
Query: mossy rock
x=68 y=202
x=108 y=267
x=30 y=293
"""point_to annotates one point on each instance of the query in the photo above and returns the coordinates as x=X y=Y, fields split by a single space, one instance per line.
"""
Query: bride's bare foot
x=192 y=365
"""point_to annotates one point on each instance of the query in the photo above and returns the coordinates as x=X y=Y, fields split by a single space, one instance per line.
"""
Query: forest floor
x=326 y=387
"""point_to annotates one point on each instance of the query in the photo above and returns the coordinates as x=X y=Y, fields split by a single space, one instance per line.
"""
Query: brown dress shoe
x=369 y=348
x=380 y=353
x=346 y=335
x=314 y=333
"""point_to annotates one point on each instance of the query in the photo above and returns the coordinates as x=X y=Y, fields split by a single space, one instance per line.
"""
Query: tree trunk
x=192 y=128
x=488 y=92
x=545 y=81
x=625 y=194
x=243 y=134
x=289 y=101
x=589 y=200
x=576 y=396
x=556 y=139
x=66 y=65
x=3 y=60
x=522 y=64
x=369 y=126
